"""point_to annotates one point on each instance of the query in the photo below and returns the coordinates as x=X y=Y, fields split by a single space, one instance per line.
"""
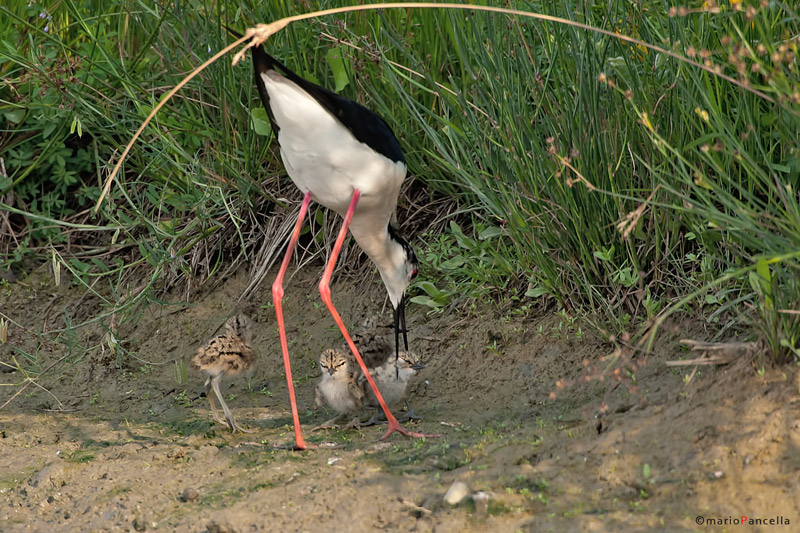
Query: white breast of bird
x=323 y=156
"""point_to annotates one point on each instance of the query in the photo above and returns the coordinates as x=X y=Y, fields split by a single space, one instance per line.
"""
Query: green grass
x=615 y=181
x=80 y=456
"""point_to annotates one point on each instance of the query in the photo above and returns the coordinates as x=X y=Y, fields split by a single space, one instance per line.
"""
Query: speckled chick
x=392 y=378
x=229 y=354
x=338 y=387
x=373 y=346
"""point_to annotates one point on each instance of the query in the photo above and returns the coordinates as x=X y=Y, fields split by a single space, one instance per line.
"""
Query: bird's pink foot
x=395 y=426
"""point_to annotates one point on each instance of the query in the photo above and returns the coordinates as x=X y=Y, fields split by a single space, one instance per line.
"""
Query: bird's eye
x=413 y=274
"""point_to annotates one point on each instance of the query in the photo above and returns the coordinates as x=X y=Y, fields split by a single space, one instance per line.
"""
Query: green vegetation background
x=550 y=164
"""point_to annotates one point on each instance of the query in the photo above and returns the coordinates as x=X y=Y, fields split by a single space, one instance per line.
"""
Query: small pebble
x=719 y=474
x=190 y=495
x=456 y=493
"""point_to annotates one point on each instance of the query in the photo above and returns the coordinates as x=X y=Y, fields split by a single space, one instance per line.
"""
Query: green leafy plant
x=611 y=179
x=463 y=266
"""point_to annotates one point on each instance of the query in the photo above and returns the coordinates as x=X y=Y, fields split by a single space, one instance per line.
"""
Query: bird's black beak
x=400 y=325
x=331 y=370
x=417 y=366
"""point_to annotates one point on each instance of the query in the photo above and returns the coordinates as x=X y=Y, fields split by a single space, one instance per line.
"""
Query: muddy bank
x=111 y=441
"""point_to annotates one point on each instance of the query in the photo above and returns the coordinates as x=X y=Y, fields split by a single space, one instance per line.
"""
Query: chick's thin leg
x=355 y=423
x=231 y=422
x=214 y=412
x=410 y=414
x=330 y=424
x=378 y=418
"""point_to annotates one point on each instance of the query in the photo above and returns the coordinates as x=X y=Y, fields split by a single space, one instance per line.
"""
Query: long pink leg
x=325 y=292
x=277 y=298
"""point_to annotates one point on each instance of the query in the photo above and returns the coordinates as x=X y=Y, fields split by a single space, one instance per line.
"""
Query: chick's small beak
x=417 y=366
x=331 y=370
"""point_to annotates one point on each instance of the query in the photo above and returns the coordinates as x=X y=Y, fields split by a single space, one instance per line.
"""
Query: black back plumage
x=395 y=236
x=366 y=126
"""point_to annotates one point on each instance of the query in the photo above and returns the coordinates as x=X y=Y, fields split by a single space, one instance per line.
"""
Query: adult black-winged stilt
x=346 y=158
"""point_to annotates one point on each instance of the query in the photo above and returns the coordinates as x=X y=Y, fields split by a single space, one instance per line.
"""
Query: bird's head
x=409 y=360
x=333 y=362
x=404 y=269
x=239 y=325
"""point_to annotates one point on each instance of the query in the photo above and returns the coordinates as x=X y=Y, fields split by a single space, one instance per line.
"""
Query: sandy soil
x=111 y=442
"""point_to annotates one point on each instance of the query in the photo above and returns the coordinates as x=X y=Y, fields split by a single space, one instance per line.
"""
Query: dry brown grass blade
x=715 y=353
x=704 y=360
x=163 y=101
x=261 y=32
x=32 y=380
x=726 y=347
x=629 y=221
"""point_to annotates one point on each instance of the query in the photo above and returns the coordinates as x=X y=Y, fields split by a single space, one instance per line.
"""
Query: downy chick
x=338 y=388
x=228 y=354
x=392 y=378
